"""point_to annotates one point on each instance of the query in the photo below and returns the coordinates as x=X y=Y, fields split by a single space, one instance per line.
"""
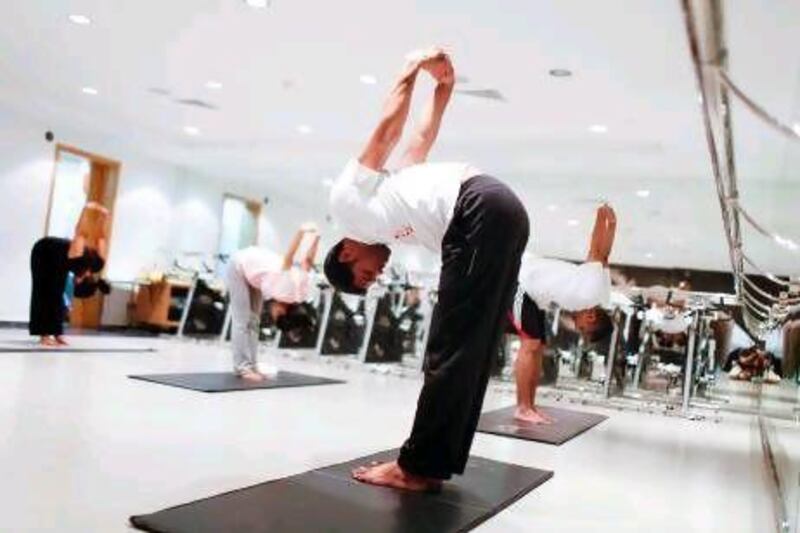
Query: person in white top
x=256 y=275
x=479 y=227
x=581 y=290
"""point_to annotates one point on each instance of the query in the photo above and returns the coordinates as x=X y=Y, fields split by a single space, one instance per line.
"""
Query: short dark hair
x=94 y=262
x=603 y=327
x=338 y=273
x=298 y=317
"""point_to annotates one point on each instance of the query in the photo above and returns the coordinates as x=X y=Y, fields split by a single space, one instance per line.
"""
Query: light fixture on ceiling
x=560 y=72
x=642 y=193
x=552 y=207
x=796 y=127
x=191 y=130
x=327 y=182
x=572 y=222
x=258 y=4
x=89 y=90
x=304 y=129
x=368 y=79
x=649 y=255
x=80 y=20
x=213 y=85
x=598 y=128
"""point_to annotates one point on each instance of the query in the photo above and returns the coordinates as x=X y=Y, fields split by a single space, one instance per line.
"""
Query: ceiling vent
x=194 y=102
x=489 y=94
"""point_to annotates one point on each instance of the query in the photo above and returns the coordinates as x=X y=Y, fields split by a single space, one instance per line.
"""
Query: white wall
x=161 y=209
x=25 y=166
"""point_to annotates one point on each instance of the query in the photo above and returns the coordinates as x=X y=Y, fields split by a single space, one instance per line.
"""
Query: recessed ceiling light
x=572 y=222
x=368 y=79
x=598 y=128
x=560 y=72
x=81 y=20
x=327 y=182
x=642 y=193
x=649 y=255
x=214 y=85
x=89 y=90
x=257 y=3
x=796 y=127
x=191 y=130
x=304 y=129
x=552 y=207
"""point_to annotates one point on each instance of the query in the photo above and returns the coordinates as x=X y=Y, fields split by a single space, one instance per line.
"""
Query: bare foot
x=48 y=341
x=61 y=341
x=391 y=475
x=252 y=375
x=527 y=415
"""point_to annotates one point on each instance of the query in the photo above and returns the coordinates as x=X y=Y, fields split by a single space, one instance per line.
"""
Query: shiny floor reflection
x=82 y=447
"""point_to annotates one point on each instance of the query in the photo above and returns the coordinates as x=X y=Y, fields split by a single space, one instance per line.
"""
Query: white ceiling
x=299 y=62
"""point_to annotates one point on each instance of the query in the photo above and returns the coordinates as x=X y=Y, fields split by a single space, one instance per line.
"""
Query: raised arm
x=426 y=132
x=288 y=257
x=94 y=217
x=308 y=262
x=605 y=228
x=395 y=113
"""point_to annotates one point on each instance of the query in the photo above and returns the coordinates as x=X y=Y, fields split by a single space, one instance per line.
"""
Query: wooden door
x=102 y=187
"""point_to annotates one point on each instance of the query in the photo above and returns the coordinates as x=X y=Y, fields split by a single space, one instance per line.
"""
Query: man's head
x=353 y=266
x=594 y=324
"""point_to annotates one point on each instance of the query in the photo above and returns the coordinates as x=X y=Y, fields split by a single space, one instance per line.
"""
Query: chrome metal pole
x=612 y=354
x=326 y=313
x=688 y=372
x=187 y=306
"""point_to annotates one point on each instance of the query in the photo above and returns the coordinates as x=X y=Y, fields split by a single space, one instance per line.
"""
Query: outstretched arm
x=308 y=262
x=605 y=228
x=395 y=113
x=288 y=257
x=425 y=134
x=93 y=217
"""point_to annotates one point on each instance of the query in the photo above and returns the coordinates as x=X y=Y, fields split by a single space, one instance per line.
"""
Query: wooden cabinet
x=160 y=304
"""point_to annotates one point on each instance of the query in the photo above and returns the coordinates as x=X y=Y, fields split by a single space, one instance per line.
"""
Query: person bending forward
x=255 y=275
x=52 y=259
x=581 y=290
x=480 y=229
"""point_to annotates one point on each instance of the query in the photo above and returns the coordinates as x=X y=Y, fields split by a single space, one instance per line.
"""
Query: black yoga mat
x=27 y=346
x=329 y=500
x=567 y=425
x=229 y=382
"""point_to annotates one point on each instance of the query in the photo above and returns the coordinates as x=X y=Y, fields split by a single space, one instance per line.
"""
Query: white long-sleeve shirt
x=572 y=287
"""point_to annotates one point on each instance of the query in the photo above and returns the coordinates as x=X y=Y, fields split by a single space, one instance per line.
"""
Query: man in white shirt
x=581 y=290
x=479 y=227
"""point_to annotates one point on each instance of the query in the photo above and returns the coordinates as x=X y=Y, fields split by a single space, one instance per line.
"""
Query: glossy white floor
x=82 y=447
